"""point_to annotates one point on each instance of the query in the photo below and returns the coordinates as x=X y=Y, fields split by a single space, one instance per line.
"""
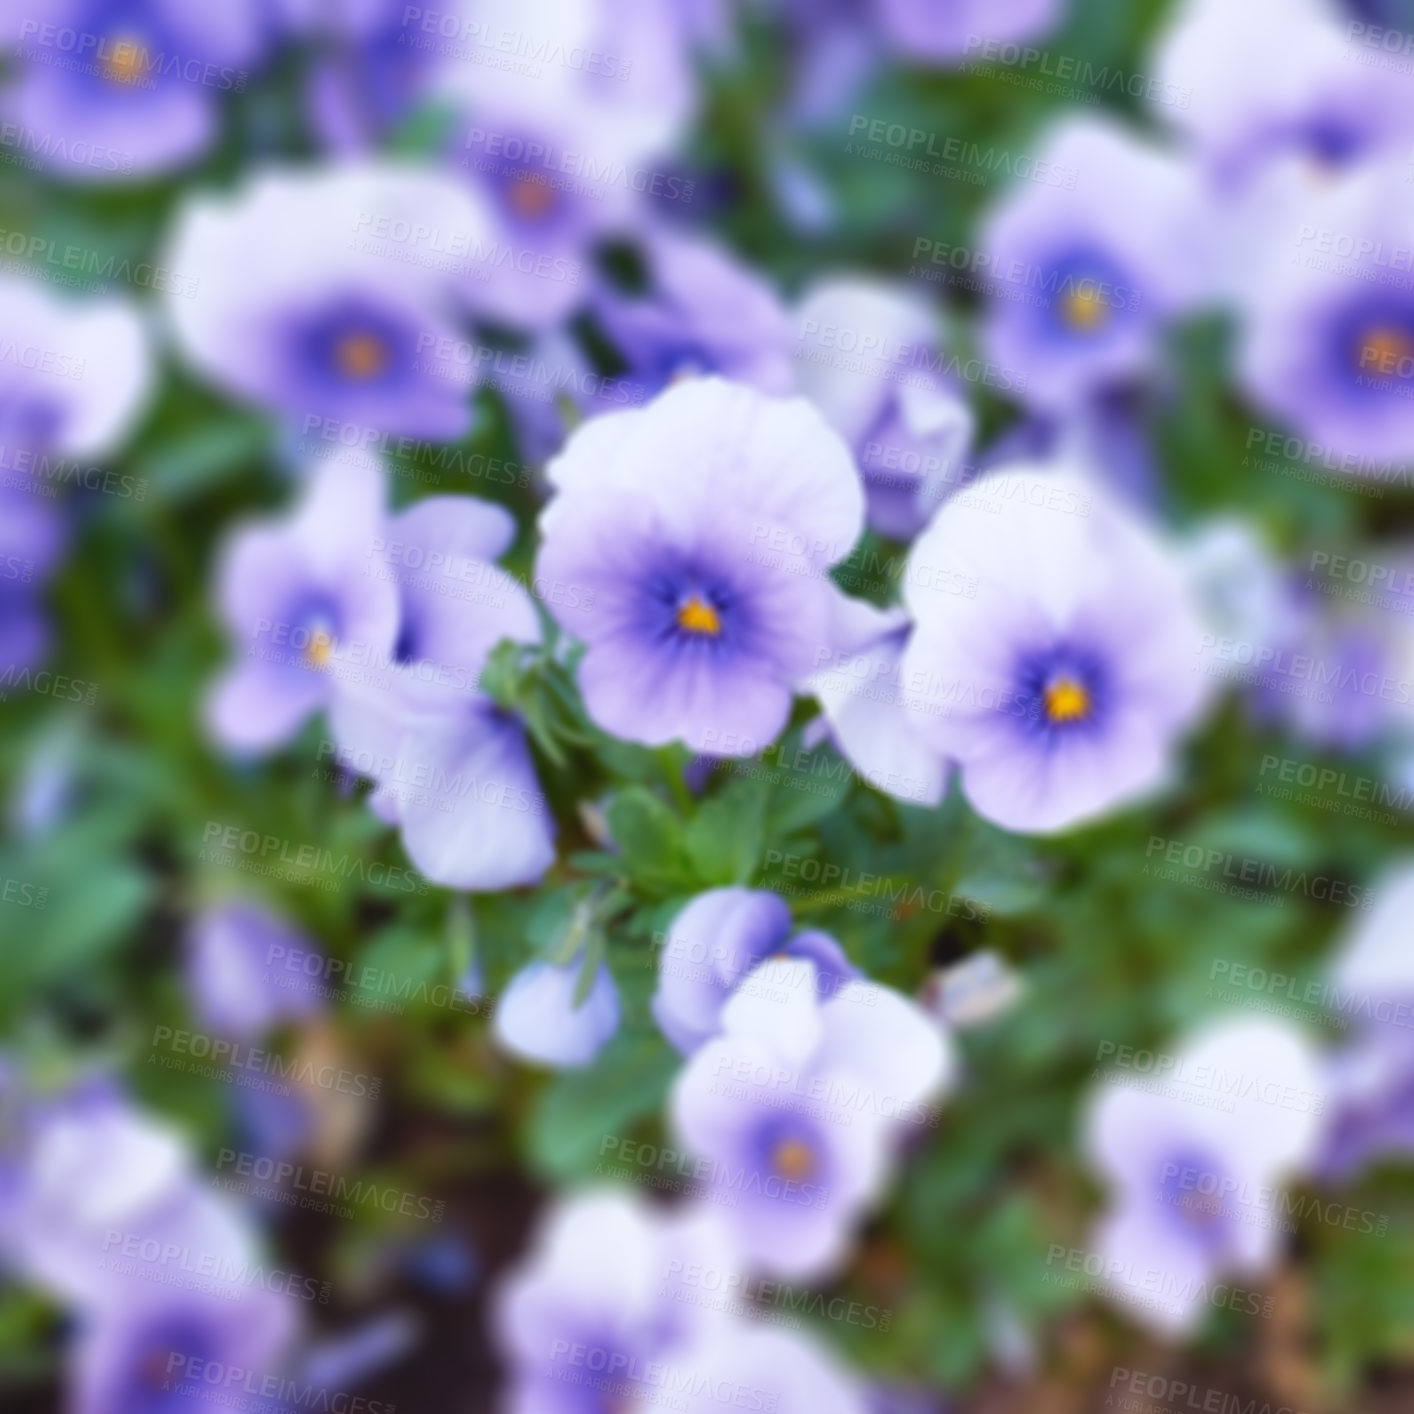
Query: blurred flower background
x=706 y=703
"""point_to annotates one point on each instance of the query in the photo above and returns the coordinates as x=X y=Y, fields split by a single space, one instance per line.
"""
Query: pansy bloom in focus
x=1079 y=297
x=1061 y=687
x=699 y=531
x=316 y=296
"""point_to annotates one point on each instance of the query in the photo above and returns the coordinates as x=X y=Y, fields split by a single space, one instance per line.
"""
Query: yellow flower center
x=793 y=1159
x=696 y=615
x=320 y=649
x=1085 y=310
x=530 y=198
x=1387 y=351
x=1066 y=700
x=124 y=62
x=361 y=356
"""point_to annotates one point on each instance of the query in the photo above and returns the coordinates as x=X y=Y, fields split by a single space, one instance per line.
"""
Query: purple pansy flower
x=156 y=1350
x=300 y=605
x=795 y=1107
x=366 y=77
x=702 y=312
x=1320 y=105
x=1061 y=686
x=55 y=1216
x=453 y=768
x=109 y=89
x=713 y=946
x=1186 y=1176
x=539 y=1019
x=1328 y=341
x=72 y=381
x=620 y=73
x=239 y=972
x=910 y=435
x=1372 y=1076
x=699 y=531
x=327 y=297
x=1077 y=299
x=596 y=1309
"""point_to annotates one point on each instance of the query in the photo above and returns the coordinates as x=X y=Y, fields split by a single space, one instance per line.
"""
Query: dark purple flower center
x=1192 y=1192
x=1089 y=294
x=1062 y=690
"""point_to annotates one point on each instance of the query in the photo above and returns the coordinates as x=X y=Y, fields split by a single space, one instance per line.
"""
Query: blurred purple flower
x=715 y=942
x=703 y=312
x=239 y=972
x=55 y=1217
x=1328 y=342
x=299 y=604
x=795 y=1107
x=1320 y=105
x=366 y=77
x=1061 y=685
x=1372 y=1074
x=453 y=769
x=595 y=1309
x=326 y=297
x=113 y=89
x=1078 y=299
x=698 y=532
x=73 y=380
x=1187 y=1177
x=910 y=435
x=538 y=1019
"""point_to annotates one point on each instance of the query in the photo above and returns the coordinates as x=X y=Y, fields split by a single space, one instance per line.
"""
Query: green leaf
x=650 y=839
x=579 y=1117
